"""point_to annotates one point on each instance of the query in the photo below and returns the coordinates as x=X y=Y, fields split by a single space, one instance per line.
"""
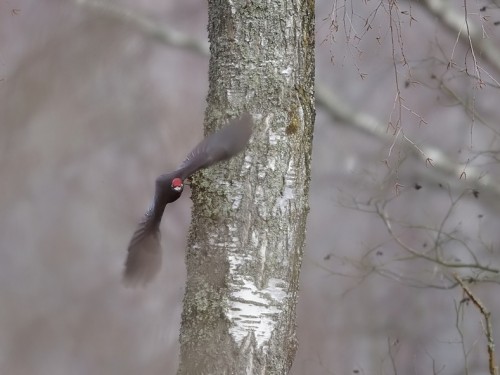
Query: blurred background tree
x=404 y=190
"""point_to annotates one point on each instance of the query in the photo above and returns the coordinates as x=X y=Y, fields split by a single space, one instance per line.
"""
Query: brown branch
x=489 y=330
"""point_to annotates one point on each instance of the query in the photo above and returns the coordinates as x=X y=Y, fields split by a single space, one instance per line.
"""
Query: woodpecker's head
x=177 y=185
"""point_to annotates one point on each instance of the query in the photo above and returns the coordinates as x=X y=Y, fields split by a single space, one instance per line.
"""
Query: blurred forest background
x=405 y=197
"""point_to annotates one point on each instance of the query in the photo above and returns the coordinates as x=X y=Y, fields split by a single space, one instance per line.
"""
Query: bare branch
x=489 y=330
x=459 y=311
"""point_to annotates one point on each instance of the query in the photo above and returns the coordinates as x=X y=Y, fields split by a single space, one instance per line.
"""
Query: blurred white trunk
x=249 y=215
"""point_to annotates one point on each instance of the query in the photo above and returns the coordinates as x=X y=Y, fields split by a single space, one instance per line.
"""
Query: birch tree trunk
x=249 y=215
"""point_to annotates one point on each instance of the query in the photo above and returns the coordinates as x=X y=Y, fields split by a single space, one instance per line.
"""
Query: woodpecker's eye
x=177 y=184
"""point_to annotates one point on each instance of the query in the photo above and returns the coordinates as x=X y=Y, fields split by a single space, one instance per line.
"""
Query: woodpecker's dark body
x=144 y=251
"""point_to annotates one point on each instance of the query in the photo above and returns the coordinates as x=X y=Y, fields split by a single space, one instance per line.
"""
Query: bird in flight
x=144 y=251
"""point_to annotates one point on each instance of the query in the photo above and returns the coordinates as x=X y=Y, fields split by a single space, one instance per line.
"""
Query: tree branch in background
x=487 y=325
x=148 y=26
x=342 y=112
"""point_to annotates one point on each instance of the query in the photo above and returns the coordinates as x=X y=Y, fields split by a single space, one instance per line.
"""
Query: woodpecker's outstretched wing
x=144 y=254
x=219 y=146
x=144 y=251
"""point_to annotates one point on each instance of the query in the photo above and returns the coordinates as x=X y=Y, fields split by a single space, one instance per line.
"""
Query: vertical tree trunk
x=249 y=217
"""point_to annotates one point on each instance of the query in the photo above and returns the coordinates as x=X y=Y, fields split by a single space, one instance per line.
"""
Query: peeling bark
x=249 y=215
